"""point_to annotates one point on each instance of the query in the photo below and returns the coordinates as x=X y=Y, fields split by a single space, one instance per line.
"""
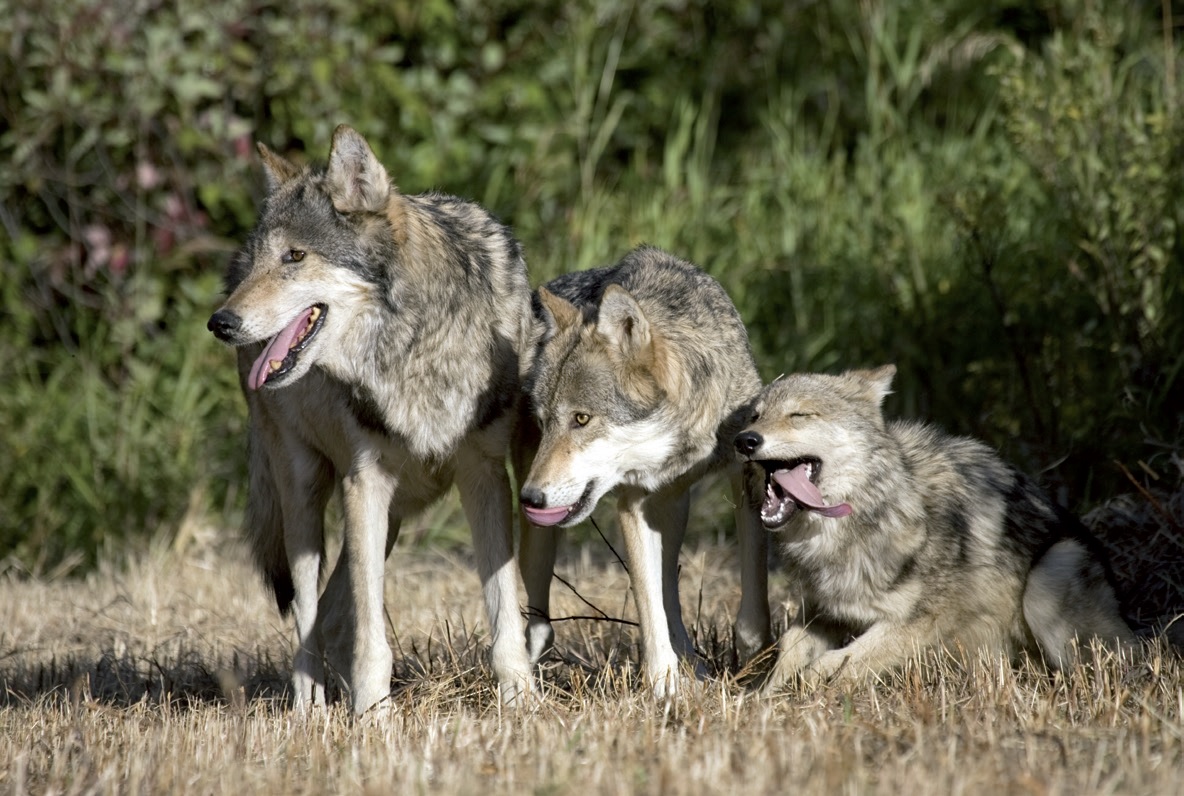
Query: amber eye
x=582 y=418
x=293 y=256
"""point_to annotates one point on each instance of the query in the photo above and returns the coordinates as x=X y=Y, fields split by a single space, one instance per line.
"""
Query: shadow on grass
x=125 y=679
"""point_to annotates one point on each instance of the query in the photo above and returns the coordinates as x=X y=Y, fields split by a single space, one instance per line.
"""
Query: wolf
x=382 y=342
x=902 y=538
x=641 y=380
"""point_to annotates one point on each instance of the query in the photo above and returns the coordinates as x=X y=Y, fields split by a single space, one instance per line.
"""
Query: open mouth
x=557 y=514
x=281 y=352
x=792 y=485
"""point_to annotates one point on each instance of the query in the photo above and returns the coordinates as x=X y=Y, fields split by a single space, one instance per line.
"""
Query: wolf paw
x=750 y=642
x=367 y=697
x=517 y=692
x=307 y=693
x=540 y=638
x=665 y=679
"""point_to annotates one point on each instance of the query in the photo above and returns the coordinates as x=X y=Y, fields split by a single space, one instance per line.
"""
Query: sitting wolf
x=903 y=538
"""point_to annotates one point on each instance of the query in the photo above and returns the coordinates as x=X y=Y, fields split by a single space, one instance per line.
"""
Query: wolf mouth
x=792 y=485
x=553 y=516
x=281 y=352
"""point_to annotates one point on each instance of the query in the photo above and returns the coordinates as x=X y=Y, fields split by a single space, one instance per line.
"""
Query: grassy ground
x=165 y=673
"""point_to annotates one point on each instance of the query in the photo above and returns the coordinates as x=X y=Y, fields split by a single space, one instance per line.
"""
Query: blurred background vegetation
x=981 y=191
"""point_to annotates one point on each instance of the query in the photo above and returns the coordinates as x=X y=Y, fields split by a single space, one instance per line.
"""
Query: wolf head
x=813 y=435
x=598 y=390
x=318 y=256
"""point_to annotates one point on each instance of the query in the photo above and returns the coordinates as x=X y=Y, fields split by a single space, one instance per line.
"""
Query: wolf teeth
x=275 y=365
x=312 y=320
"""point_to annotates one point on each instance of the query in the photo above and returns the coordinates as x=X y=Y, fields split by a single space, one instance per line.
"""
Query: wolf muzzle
x=225 y=325
x=747 y=442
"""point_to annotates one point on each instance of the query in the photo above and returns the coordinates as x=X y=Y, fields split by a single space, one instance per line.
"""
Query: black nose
x=747 y=442
x=533 y=498
x=225 y=325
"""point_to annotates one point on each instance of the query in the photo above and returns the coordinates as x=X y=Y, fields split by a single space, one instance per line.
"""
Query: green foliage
x=1096 y=119
x=980 y=192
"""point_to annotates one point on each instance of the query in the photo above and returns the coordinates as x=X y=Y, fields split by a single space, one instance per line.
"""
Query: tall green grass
x=982 y=194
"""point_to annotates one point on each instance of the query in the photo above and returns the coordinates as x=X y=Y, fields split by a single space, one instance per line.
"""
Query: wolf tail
x=1069 y=598
x=264 y=524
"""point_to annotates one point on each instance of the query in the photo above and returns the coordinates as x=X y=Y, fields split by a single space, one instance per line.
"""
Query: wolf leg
x=883 y=646
x=668 y=513
x=336 y=613
x=484 y=486
x=367 y=491
x=753 y=625
x=536 y=556
x=1068 y=601
x=797 y=648
x=644 y=555
x=536 y=550
x=303 y=484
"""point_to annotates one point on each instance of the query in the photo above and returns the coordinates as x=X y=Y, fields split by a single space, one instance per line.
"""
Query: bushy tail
x=264 y=523
x=1069 y=598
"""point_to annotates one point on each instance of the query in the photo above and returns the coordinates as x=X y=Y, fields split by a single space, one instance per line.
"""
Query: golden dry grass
x=165 y=673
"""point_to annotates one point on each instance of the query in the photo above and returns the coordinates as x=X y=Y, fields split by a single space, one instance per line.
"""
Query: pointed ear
x=278 y=170
x=877 y=381
x=558 y=312
x=621 y=321
x=357 y=181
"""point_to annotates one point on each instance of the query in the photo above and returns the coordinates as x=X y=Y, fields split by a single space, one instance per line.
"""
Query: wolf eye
x=292 y=256
x=803 y=414
x=582 y=418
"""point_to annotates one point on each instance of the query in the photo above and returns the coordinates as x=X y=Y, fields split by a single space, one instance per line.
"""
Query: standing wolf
x=902 y=538
x=381 y=339
x=641 y=382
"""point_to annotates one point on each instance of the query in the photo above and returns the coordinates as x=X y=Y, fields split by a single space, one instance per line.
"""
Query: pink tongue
x=277 y=349
x=545 y=517
x=797 y=483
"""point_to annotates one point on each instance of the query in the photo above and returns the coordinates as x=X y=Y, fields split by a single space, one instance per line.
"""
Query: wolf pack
x=390 y=346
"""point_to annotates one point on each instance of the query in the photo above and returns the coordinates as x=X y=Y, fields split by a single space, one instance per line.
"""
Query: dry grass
x=166 y=674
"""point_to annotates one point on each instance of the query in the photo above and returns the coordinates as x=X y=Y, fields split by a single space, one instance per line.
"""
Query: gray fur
x=641 y=379
x=945 y=543
x=410 y=383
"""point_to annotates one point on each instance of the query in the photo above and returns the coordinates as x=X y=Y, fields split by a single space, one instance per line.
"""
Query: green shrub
x=981 y=193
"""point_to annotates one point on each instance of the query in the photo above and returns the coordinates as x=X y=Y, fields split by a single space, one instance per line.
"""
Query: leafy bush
x=981 y=193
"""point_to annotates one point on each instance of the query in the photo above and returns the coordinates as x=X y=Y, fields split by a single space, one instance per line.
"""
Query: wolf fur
x=909 y=538
x=641 y=381
x=382 y=341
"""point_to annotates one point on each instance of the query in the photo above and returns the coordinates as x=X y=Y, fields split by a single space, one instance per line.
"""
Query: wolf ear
x=877 y=381
x=357 y=181
x=558 y=312
x=621 y=321
x=278 y=170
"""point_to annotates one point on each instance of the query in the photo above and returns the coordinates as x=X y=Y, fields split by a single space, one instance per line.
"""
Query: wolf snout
x=225 y=325
x=533 y=498
x=534 y=502
x=747 y=442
